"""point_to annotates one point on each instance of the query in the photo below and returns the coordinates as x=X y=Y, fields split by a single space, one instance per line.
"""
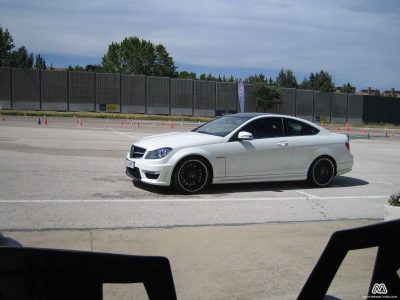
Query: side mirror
x=245 y=136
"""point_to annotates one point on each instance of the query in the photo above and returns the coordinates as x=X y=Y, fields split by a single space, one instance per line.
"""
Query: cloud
x=357 y=41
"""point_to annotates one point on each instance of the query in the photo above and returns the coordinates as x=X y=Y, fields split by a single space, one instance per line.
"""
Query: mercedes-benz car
x=243 y=147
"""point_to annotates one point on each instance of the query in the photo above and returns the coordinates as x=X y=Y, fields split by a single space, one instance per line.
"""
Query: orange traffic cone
x=171 y=124
x=45 y=121
x=81 y=123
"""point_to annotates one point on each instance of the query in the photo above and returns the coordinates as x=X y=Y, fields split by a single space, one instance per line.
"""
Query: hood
x=177 y=140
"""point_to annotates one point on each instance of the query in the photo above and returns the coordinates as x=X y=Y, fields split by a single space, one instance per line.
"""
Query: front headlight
x=158 y=153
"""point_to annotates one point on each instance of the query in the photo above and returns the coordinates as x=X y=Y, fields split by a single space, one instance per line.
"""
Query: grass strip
x=102 y=115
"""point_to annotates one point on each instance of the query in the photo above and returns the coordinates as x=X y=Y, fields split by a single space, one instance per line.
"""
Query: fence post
x=145 y=94
x=40 y=89
x=347 y=108
x=330 y=107
x=313 y=106
x=120 y=92
x=11 y=89
x=237 y=96
x=193 y=97
x=68 y=100
x=94 y=90
x=216 y=101
x=169 y=96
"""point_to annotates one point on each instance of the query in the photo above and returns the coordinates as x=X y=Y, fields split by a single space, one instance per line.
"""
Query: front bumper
x=157 y=172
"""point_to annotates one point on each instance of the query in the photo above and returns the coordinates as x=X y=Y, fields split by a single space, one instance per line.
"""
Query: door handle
x=283 y=144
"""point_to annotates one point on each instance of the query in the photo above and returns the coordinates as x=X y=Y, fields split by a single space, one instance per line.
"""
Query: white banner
x=241 y=95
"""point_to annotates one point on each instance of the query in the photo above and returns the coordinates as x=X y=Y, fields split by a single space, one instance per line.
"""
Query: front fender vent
x=136 y=152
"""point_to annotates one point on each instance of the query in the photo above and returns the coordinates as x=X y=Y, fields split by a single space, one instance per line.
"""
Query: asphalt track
x=71 y=175
x=63 y=185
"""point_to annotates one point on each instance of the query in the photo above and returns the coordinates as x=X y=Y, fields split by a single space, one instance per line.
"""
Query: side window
x=296 y=128
x=265 y=128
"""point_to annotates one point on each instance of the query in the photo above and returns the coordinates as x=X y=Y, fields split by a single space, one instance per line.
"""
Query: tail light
x=348 y=145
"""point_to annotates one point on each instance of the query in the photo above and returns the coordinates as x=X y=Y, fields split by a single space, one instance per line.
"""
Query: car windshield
x=222 y=126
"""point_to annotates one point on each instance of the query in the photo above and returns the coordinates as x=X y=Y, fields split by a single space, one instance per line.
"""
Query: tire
x=191 y=175
x=321 y=172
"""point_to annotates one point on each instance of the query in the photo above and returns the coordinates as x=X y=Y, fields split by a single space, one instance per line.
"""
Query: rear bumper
x=345 y=166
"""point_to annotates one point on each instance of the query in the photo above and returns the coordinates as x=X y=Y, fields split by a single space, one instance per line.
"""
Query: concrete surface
x=270 y=261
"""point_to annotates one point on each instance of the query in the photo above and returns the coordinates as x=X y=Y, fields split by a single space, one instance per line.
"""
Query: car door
x=266 y=154
x=303 y=141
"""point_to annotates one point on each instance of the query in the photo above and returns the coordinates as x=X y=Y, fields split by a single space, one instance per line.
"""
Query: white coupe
x=243 y=147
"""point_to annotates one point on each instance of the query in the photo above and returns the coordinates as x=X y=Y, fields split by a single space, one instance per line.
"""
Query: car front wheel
x=191 y=175
x=322 y=172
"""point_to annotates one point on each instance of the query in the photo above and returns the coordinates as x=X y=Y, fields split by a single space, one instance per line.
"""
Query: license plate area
x=130 y=164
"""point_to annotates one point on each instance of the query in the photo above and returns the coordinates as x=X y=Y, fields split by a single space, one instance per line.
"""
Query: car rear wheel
x=321 y=172
x=191 y=175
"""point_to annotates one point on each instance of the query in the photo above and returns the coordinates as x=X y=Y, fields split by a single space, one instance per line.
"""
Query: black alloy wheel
x=322 y=172
x=191 y=175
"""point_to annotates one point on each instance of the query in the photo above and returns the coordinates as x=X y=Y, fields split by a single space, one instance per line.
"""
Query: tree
x=6 y=45
x=211 y=77
x=266 y=96
x=20 y=58
x=40 y=63
x=164 y=64
x=135 y=56
x=75 y=68
x=271 y=82
x=348 y=88
x=187 y=75
x=321 y=81
x=286 y=79
x=305 y=84
x=93 y=68
x=256 y=78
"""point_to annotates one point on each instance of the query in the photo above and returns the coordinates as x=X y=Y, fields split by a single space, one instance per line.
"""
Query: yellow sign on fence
x=112 y=108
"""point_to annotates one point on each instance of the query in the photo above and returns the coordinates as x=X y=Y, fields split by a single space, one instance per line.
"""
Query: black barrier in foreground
x=33 y=273
x=385 y=280
x=29 y=273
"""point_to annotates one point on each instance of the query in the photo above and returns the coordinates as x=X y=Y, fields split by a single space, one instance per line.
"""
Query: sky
x=357 y=41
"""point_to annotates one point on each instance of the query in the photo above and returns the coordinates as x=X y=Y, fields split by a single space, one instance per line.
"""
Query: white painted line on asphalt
x=380 y=182
x=120 y=133
x=190 y=199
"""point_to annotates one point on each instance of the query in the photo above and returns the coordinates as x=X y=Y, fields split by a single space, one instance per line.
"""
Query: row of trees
x=17 y=58
x=138 y=56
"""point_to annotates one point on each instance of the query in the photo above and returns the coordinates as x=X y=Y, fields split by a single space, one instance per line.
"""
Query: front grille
x=137 y=152
x=134 y=173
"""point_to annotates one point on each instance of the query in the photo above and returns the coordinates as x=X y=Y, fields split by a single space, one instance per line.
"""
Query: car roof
x=251 y=114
